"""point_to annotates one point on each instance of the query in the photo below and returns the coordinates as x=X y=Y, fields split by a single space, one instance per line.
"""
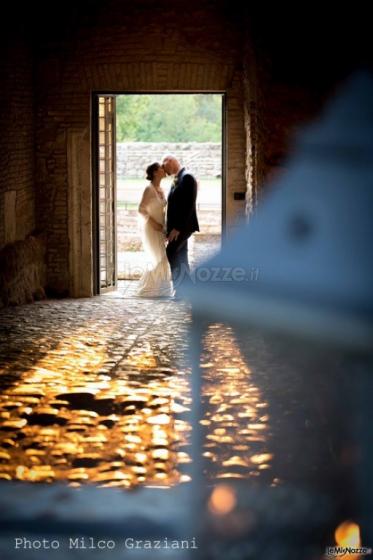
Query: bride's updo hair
x=151 y=169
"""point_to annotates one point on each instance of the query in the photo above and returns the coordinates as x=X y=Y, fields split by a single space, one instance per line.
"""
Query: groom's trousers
x=177 y=254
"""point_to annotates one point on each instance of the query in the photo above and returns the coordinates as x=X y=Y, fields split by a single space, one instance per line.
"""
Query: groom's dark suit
x=181 y=215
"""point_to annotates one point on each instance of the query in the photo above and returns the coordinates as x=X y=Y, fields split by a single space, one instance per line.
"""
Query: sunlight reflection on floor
x=106 y=401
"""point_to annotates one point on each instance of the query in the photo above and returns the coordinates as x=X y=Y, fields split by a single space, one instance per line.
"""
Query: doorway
x=132 y=130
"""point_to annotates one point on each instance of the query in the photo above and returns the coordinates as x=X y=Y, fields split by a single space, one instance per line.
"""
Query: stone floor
x=96 y=392
x=89 y=382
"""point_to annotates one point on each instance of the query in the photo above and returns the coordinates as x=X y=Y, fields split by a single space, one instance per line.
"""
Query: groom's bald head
x=171 y=165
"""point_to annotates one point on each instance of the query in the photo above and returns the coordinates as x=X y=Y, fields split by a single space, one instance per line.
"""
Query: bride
x=156 y=280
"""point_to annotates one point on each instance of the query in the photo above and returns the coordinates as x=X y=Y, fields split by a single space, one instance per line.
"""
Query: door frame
x=95 y=159
x=95 y=94
x=95 y=195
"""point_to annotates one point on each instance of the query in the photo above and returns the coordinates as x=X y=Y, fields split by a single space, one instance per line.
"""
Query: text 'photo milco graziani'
x=91 y=543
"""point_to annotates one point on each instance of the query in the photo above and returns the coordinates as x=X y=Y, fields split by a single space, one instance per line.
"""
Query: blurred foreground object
x=300 y=273
x=304 y=262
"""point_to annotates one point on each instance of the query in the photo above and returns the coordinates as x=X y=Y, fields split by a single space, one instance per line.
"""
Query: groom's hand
x=173 y=235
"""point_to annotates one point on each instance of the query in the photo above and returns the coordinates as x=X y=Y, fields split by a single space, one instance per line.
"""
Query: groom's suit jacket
x=181 y=204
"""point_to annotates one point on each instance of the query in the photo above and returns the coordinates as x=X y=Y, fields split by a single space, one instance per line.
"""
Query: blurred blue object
x=303 y=263
x=300 y=273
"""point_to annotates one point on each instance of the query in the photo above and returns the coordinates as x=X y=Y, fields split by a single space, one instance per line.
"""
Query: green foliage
x=169 y=118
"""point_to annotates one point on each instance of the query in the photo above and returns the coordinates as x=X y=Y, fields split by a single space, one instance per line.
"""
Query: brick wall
x=292 y=65
x=275 y=112
x=276 y=104
x=235 y=148
x=22 y=271
x=22 y=253
x=17 y=197
x=146 y=46
x=276 y=76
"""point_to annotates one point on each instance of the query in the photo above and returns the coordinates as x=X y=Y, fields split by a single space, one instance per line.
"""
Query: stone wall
x=275 y=75
x=201 y=158
x=140 y=48
x=22 y=256
x=17 y=195
x=291 y=67
x=23 y=271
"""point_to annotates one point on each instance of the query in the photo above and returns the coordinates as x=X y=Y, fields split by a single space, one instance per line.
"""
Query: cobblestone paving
x=97 y=390
x=87 y=387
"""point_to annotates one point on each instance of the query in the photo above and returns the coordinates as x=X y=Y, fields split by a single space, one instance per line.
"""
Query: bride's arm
x=142 y=209
x=147 y=195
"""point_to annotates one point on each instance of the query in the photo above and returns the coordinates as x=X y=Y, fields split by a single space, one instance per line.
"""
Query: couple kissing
x=167 y=225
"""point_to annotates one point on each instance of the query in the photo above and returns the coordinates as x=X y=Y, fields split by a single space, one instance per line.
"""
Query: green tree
x=169 y=118
x=129 y=108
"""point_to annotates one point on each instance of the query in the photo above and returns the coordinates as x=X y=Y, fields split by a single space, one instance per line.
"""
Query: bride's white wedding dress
x=156 y=279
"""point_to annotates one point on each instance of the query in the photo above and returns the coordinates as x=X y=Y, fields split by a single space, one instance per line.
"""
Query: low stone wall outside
x=201 y=158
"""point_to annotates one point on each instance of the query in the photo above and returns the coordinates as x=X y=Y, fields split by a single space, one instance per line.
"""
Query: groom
x=181 y=217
